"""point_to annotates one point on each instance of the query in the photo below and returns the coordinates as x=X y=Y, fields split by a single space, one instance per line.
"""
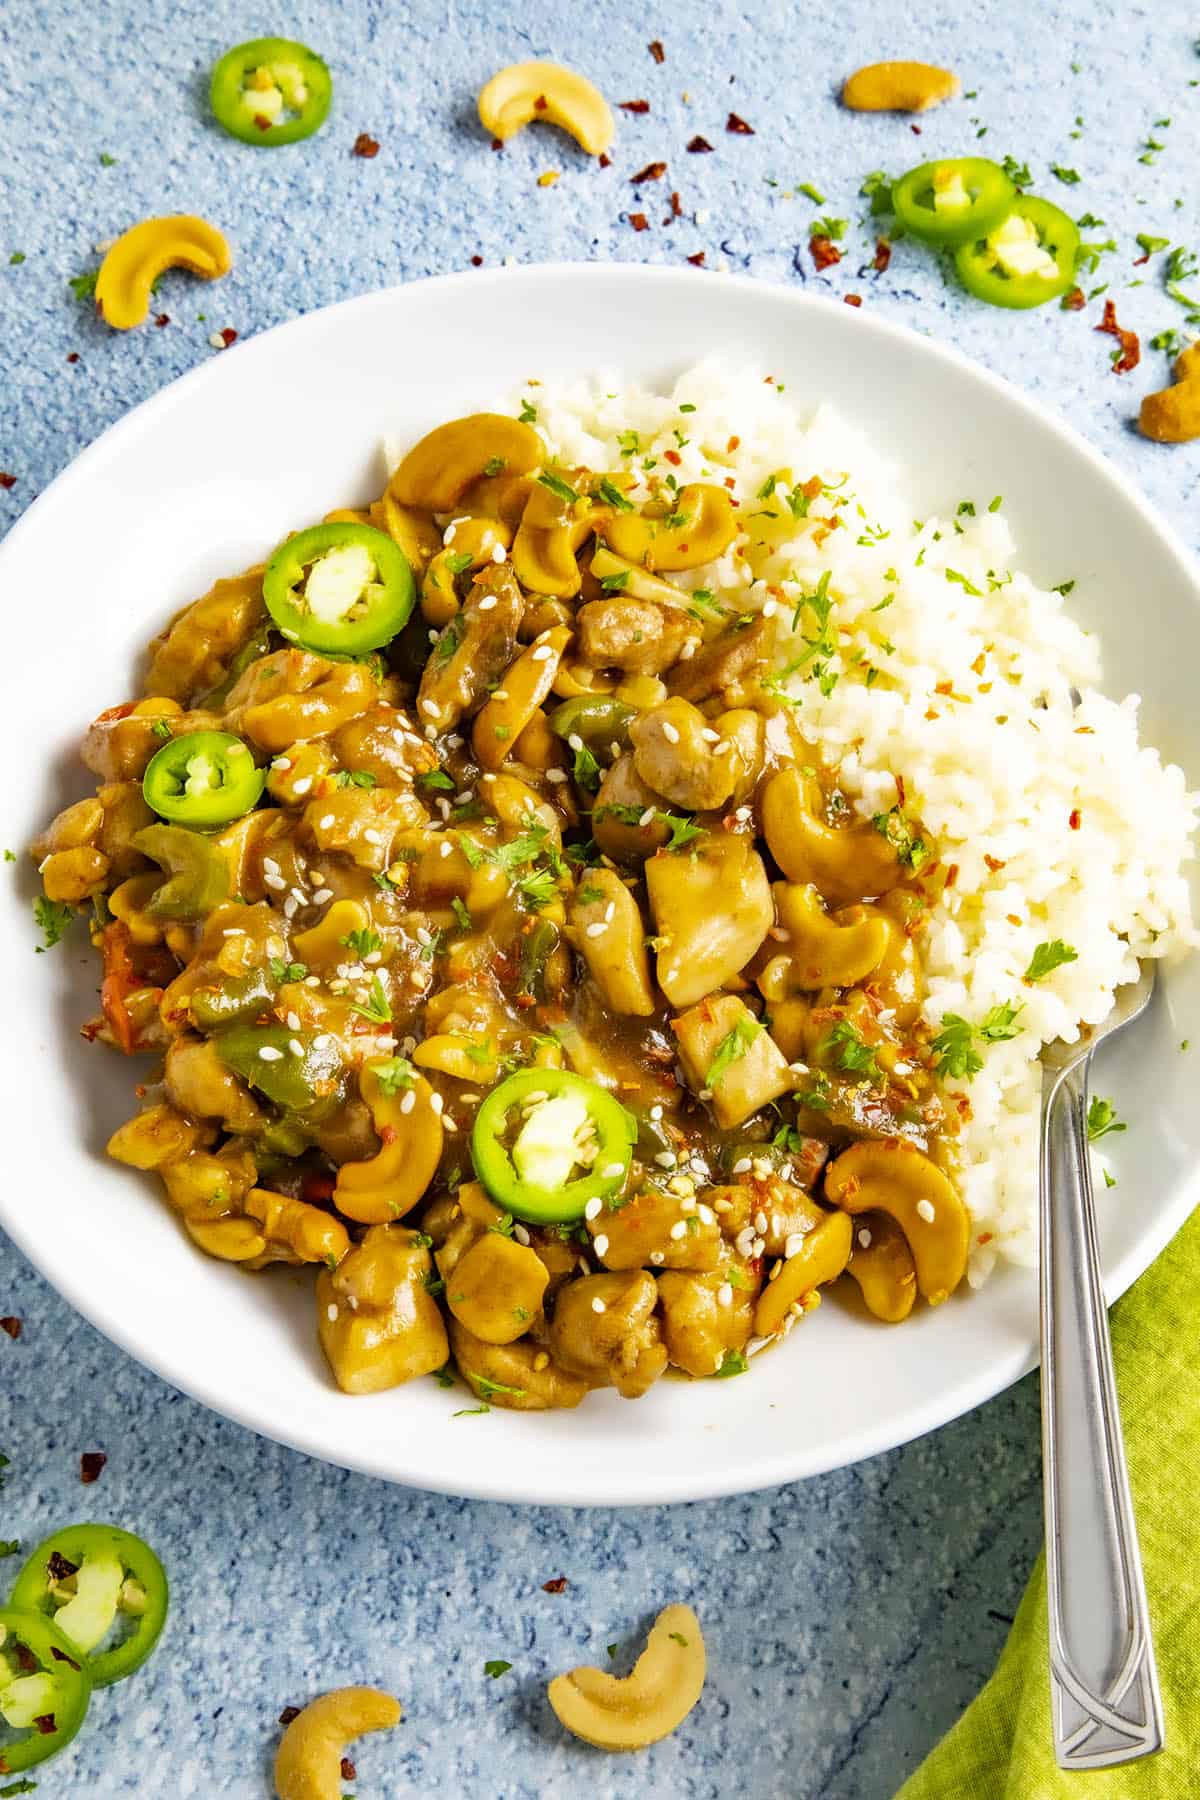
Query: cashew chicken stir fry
x=506 y=951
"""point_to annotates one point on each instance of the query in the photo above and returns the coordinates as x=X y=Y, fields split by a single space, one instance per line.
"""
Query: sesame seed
x=373 y=957
x=556 y=775
x=681 y=1184
x=215 y=341
x=486 y=604
x=274 y=881
x=499 y=693
x=656 y=1112
x=598 y=1305
x=498 y=553
x=233 y=931
x=706 y=1215
x=331 y=1312
x=793 y=1244
x=289 y=907
x=371 y=836
x=431 y=732
x=679 y=1228
x=521 y=1235
x=449 y=1123
x=743 y=1241
x=325 y=823
x=299 y=896
x=295 y=1046
x=864 y=1238
x=666 y=1159
x=268 y=1053
x=647 y=817
x=760 y=1220
x=445 y=848
x=543 y=653
x=688 y=650
x=423 y=936
x=281 y=762
x=409 y=1101
x=687 y=1204
x=312 y=981
x=757 y=1247
x=436 y=1102
x=592 y=1209
x=710 y=736
x=575 y=742
x=770 y=608
x=925 y=1209
x=322 y=895
x=741 y=1166
x=292 y=1021
x=776 y=1269
x=657 y=1257
x=302 y=786
x=323 y=1041
x=601 y=1245
x=724 y=1294
x=723 y=1206
x=670 y=732
x=596 y=930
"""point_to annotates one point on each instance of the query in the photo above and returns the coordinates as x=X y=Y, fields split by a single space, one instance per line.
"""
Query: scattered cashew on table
x=898 y=87
x=1172 y=416
x=652 y=1701
x=308 y=1763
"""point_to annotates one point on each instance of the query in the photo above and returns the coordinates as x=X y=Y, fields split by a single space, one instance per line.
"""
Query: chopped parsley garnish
x=460 y=912
x=877 y=188
x=703 y=605
x=614 y=584
x=17 y=256
x=52 y=918
x=485 y=1388
x=359 y=778
x=1048 y=957
x=828 y=228
x=289 y=971
x=813 y=193
x=459 y=561
x=1069 y=176
x=437 y=778
x=953 y=1044
x=1018 y=173
x=586 y=770
x=609 y=491
x=1152 y=245
x=449 y=640
x=853 y=1054
x=558 y=487
x=161 y=729
x=494 y=465
x=538 y=888
x=469 y=1412
x=732 y=1047
x=84 y=286
x=734 y=1362
x=497 y=1666
x=1102 y=1119
x=629 y=442
x=528 y=413
x=9 y=1546
x=682 y=830
x=363 y=943
x=429 y=950
x=910 y=849
x=443 y=1376
x=377 y=1008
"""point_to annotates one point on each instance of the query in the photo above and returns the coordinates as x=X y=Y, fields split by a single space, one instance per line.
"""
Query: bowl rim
x=773 y=1467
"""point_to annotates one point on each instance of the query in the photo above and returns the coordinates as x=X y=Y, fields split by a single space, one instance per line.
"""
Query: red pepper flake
x=497 y=143
x=656 y=50
x=901 y=790
x=676 y=205
x=1139 y=260
x=367 y=146
x=916 y=130
x=994 y=863
x=46 y=1724
x=883 y=255
x=288 y=1714
x=730 y=481
x=698 y=145
x=673 y=456
x=90 y=1465
x=652 y=172
x=824 y=252
x=557 y=1586
x=951 y=875
x=162 y=319
x=477 y=262
x=639 y=221
x=541 y=103
x=61 y=1656
x=13 y=1327
x=732 y=445
x=605 y=161
x=349 y=1772
x=73 y=356
x=1131 y=349
x=738 y=126
x=1074 y=301
x=7 y=481
x=229 y=336
x=1075 y=821
x=853 y=299
x=634 y=106
x=697 y=259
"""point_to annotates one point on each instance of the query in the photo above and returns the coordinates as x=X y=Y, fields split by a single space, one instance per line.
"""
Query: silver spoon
x=1104 y=1686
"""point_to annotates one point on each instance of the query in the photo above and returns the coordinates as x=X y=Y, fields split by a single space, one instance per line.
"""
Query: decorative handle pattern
x=1104 y=1686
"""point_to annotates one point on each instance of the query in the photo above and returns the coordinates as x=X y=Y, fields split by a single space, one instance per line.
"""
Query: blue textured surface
x=849 y=1619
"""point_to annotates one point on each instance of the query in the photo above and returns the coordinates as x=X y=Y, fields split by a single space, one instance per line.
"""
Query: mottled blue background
x=851 y=1618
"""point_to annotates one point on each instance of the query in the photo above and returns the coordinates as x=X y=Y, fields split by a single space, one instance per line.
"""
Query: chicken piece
x=615 y=1343
x=634 y=635
x=622 y=803
x=194 y=653
x=728 y=1053
x=472 y=651
x=657 y=1227
x=712 y=909
x=198 y=1082
x=725 y=662
x=377 y=1321
x=606 y=928
x=706 y=1316
x=768 y=1208
x=677 y=752
x=384 y=743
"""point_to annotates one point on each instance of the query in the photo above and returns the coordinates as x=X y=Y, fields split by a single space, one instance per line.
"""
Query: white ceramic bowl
x=181 y=491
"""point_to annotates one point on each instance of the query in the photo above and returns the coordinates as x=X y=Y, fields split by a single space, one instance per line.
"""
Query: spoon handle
x=1104 y=1687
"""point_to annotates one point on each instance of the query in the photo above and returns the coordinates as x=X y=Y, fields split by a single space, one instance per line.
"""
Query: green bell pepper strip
x=240 y=997
x=203 y=779
x=597 y=720
x=198 y=873
x=511 y=1109
x=537 y=947
x=341 y=590
x=50 y=1700
x=982 y=274
x=990 y=197
x=292 y=107
x=308 y=1083
x=116 y=1575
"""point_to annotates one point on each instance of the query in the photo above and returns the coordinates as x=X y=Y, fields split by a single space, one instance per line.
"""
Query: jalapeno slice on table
x=1028 y=258
x=339 y=589
x=44 y=1689
x=951 y=201
x=103 y=1592
x=270 y=91
x=546 y=1142
x=205 y=778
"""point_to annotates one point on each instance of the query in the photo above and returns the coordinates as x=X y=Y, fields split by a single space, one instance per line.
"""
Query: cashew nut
x=849 y=862
x=822 y=1256
x=291 y=695
x=550 y=534
x=616 y=954
x=298 y=1232
x=325 y=944
x=892 y=1176
x=141 y=254
x=649 y=1703
x=440 y=468
x=409 y=1126
x=699 y=527
x=824 y=950
x=526 y=683
x=882 y=1264
x=308 y=1763
x=543 y=90
x=474 y=539
x=157 y=1136
x=1173 y=415
x=898 y=87
x=413 y=528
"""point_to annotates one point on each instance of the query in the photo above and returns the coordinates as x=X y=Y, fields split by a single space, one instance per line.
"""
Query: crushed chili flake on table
x=698 y=145
x=90 y=1465
x=349 y=1772
x=676 y=205
x=824 y=252
x=697 y=259
x=497 y=143
x=656 y=50
x=853 y=299
x=7 y=481
x=72 y=356
x=1074 y=301
x=1131 y=349
x=883 y=255
x=1075 y=820
x=13 y=1327
x=652 y=172
x=639 y=221
x=555 y=1586
x=229 y=336
x=916 y=130
x=634 y=106
x=738 y=126
x=477 y=262
x=366 y=145
x=288 y=1714
x=162 y=319
x=604 y=161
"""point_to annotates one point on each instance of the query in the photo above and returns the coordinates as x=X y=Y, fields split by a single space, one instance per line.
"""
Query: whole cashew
x=543 y=90
x=823 y=950
x=141 y=254
x=649 y=1703
x=892 y=1176
x=882 y=1264
x=851 y=862
x=440 y=468
x=898 y=87
x=1172 y=416
x=308 y=1763
x=821 y=1258
x=386 y=1186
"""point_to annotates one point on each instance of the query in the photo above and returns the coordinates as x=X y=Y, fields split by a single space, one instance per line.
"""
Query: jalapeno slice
x=339 y=589
x=270 y=91
x=546 y=1142
x=1028 y=258
x=44 y=1689
x=101 y=1589
x=951 y=201
x=203 y=778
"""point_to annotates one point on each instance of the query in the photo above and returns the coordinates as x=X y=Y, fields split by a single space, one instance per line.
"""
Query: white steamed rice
x=969 y=709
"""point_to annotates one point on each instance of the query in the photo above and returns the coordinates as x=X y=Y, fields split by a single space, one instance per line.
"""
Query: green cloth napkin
x=1001 y=1748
